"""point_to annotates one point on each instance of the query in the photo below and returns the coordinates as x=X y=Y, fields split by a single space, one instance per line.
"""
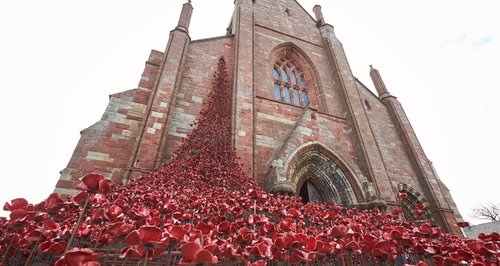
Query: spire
x=379 y=83
x=320 y=20
x=185 y=18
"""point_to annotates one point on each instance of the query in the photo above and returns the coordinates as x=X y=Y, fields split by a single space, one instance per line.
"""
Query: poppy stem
x=8 y=248
x=348 y=258
x=146 y=258
x=75 y=229
x=35 y=247
x=115 y=256
x=169 y=253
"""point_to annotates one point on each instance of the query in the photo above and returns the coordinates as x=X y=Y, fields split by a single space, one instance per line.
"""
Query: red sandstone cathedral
x=302 y=123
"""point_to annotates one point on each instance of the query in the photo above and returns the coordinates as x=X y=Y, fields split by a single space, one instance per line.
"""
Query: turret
x=440 y=209
x=379 y=83
x=185 y=18
x=320 y=20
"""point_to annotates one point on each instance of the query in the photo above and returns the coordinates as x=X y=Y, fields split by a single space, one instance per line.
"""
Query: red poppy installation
x=200 y=208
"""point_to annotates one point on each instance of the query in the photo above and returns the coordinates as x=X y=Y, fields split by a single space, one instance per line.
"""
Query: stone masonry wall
x=105 y=147
x=288 y=18
x=395 y=156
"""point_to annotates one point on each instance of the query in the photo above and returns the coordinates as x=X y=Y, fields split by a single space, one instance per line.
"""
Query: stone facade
x=347 y=145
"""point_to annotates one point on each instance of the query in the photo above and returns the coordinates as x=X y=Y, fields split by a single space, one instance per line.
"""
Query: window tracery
x=289 y=83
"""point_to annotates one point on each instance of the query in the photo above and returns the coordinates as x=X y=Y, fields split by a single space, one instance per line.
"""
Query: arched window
x=289 y=83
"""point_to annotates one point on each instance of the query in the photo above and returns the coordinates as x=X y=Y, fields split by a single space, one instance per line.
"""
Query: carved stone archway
x=323 y=173
x=408 y=205
x=315 y=169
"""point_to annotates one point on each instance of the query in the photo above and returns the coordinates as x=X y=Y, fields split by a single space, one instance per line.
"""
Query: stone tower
x=303 y=124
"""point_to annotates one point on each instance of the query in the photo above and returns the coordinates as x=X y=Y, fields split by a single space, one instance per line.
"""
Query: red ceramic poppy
x=294 y=213
x=324 y=247
x=53 y=203
x=78 y=257
x=34 y=236
x=119 y=229
x=402 y=195
x=425 y=228
x=269 y=228
x=97 y=215
x=189 y=251
x=54 y=248
x=420 y=206
x=356 y=227
x=140 y=213
x=489 y=249
x=204 y=256
x=397 y=233
x=133 y=252
x=94 y=183
x=113 y=213
x=339 y=231
x=255 y=194
x=461 y=255
x=146 y=235
x=81 y=197
x=213 y=248
x=353 y=246
x=230 y=252
x=286 y=224
x=463 y=224
x=204 y=228
x=224 y=227
x=15 y=204
x=21 y=216
x=310 y=243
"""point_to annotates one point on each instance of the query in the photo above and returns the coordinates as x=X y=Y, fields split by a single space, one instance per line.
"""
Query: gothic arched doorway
x=319 y=176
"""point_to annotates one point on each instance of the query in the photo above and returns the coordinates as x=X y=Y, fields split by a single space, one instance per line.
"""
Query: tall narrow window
x=290 y=83
x=296 y=99
x=305 y=98
x=287 y=94
x=277 y=92
x=276 y=74
x=294 y=79
x=284 y=75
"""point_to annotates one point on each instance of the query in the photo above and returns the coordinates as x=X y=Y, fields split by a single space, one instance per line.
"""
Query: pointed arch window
x=289 y=83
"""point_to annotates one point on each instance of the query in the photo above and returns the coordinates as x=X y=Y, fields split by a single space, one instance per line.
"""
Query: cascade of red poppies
x=200 y=208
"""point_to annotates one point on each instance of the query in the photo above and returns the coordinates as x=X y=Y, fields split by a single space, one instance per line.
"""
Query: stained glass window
x=289 y=83
x=277 y=92
x=284 y=75
x=296 y=99
x=287 y=94
x=276 y=74
x=305 y=98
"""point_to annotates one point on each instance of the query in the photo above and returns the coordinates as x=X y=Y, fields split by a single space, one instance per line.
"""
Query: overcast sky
x=60 y=59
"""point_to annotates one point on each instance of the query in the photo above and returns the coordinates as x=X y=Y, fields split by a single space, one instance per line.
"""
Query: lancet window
x=289 y=83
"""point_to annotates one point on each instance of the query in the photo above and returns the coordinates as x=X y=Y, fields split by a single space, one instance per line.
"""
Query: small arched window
x=289 y=83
